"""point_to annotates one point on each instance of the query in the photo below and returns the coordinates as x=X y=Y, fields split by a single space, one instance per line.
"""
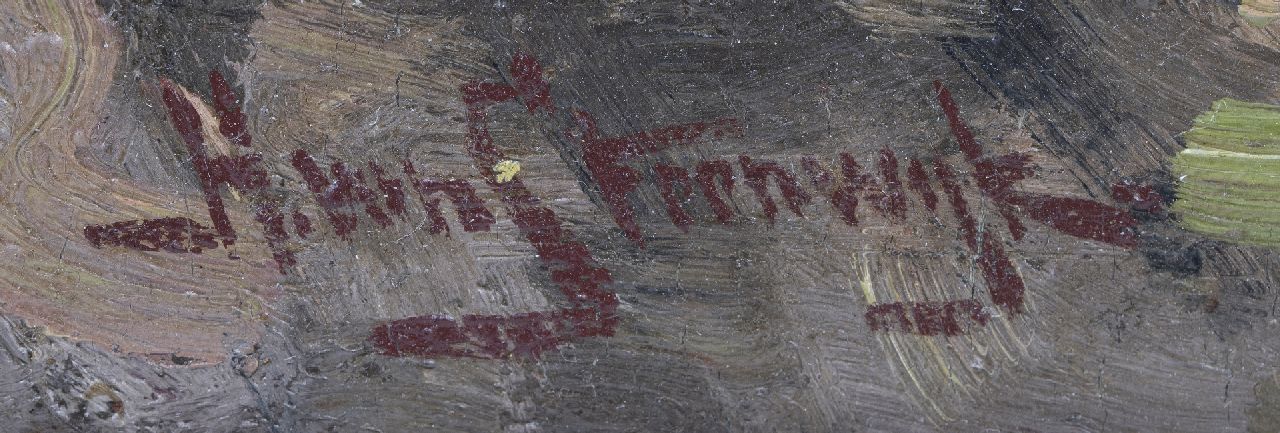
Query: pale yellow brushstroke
x=917 y=382
x=213 y=139
x=506 y=170
x=937 y=370
x=930 y=343
x=863 y=269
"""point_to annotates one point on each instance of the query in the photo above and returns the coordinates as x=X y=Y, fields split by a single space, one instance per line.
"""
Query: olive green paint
x=1229 y=175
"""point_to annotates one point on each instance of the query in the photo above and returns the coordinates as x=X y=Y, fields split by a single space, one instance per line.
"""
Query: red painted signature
x=592 y=308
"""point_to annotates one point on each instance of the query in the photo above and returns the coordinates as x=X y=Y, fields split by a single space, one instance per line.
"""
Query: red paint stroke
x=996 y=176
x=964 y=137
x=882 y=317
x=231 y=122
x=593 y=310
x=820 y=176
x=1081 y=218
x=885 y=195
x=1143 y=198
x=301 y=224
x=947 y=177
x=240 y=172
x=604 y=158
x=392 y=189
x=186 y=120
x=1016 y=229
x=675 y=187
x=337 y=197
x=706 y=174
x=346 y=190
x=272 y=219
x=844 y=197
x=927 y=318
x=757 y=175
x=472 y=213
x=855 y=182
x=1003 y=282
x=918 y=182
x=175 y=235
x=890 y=201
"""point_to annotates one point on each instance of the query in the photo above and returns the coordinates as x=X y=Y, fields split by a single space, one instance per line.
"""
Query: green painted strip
x=1229 y=175
x=1238 y=126
x=1229 y=191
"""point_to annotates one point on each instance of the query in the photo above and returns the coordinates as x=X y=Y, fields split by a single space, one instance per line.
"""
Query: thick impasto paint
x=1229 y=175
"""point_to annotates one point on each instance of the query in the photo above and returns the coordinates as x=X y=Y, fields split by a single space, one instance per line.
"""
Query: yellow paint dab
x=506 y=170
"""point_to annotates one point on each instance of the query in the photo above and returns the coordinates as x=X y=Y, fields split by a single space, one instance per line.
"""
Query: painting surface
x=847 y=215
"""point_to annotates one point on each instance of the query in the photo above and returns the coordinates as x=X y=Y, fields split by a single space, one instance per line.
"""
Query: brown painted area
x=175 y=235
